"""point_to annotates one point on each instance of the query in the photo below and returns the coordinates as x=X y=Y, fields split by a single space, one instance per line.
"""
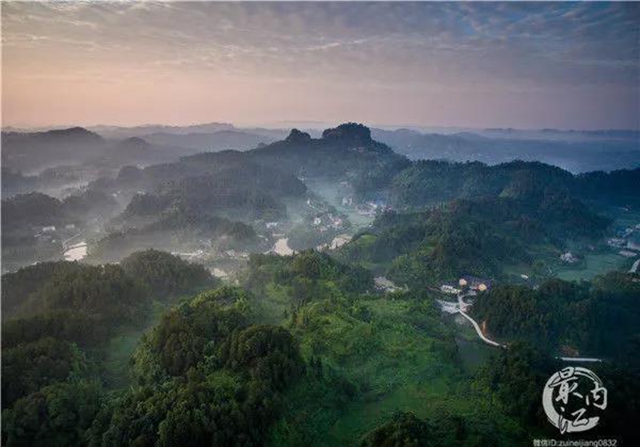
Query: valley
x=340 y=280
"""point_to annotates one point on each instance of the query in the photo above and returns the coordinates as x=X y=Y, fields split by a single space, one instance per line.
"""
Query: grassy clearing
x=118 y=350
x=473 y=353
x=424 y=398
x=594 y=264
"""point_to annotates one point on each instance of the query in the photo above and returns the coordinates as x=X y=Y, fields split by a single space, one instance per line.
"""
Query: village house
x=616 y=242
x=447 y=288
x=569 y=258
x=473 y=283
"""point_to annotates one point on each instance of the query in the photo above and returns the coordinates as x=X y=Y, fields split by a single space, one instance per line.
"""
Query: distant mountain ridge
x=598 y=149
x=578 y=152
x=32 y=151
x=211 y=141
x=126 y=132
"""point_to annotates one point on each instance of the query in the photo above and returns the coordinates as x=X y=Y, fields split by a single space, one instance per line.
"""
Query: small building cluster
x=616 y=242
x=448 y=288
x=372 y=207
x=569 y=258
x=474 y=283
x=327 y=221
x=627 y=242
x=347 y=201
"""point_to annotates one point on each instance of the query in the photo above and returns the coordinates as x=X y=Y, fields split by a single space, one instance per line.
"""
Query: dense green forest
x=475 y=237
x=58 y=319
x=250 y=350
x=205 y=377
x=298 y=354
x=597 y=319
x=515 y=376
x=429 y=182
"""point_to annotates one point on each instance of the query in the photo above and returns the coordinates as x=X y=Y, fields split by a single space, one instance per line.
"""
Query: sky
x=476 y=65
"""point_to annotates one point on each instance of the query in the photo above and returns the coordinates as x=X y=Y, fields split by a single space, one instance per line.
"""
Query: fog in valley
x=320 y=224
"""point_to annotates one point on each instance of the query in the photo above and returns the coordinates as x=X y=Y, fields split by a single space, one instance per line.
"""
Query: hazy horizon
x=315 y=125
x=459 y=65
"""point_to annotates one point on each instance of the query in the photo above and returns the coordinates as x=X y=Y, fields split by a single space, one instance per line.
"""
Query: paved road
x=65 y=243
x=313 y=207
x=462 y=305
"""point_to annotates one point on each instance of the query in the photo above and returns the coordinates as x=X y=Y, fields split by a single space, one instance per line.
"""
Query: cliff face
x=350 y=133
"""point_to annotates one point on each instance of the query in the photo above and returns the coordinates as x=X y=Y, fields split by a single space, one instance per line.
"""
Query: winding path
x=462 y=305
x=313 y=207
x=65 y=243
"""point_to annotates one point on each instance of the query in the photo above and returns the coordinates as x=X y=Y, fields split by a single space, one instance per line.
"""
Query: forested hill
x=424 y=247
x=50 y=287
x=430 y=182
x=272 y=183
x=307 y=349
x=590 y=319
x=346 y=152
x=77 y=146
x=40 y=149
